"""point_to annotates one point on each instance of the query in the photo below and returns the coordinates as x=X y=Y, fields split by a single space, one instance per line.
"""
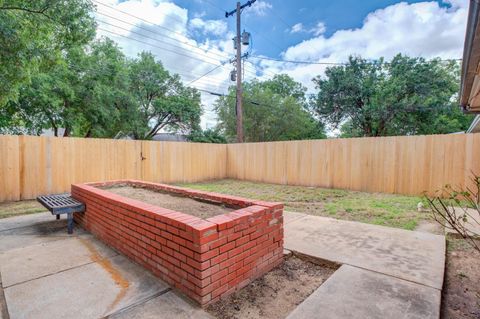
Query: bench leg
x=70 y=223
x=58 y=217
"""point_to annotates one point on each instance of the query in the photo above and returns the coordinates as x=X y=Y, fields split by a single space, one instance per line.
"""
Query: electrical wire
x=160 y=41
x=222 y=63
x=223 y=56
x=330 y=63
x=207 y=73
x=156 y=46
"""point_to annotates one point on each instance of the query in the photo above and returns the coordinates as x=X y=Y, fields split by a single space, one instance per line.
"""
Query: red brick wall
x=205 y=259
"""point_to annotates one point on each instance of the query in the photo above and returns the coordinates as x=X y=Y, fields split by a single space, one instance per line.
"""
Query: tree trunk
x=89 y=133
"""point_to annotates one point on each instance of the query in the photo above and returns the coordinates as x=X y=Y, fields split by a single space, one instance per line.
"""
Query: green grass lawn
x=380 y=209
x=25 y=207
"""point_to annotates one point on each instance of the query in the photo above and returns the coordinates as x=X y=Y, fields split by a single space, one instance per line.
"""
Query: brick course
x=205 y=259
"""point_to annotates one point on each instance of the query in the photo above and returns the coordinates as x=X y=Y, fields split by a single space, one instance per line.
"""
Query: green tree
x=35 y=34
x=207 y=136
x=104 y=102
x=42 y=104
x=86 y=94
x=403 y=97
x=273 y=110
x=162 y=102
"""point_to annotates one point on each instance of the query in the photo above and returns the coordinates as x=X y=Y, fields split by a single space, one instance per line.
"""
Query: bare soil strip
x=275 y=294
x=199 y=208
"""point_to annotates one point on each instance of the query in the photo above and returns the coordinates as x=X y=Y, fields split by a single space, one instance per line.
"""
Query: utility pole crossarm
x=247 y=4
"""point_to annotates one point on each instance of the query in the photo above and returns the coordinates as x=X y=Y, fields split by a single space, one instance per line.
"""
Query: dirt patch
x=430 y=226
x=461 y=290
x=199 y=208
x=275 y=294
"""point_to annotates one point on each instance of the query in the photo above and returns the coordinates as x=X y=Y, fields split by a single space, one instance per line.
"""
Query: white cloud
x=259 y=8
x=296 y=28
x=319 y=29
x=215 y=27
x=422 y=29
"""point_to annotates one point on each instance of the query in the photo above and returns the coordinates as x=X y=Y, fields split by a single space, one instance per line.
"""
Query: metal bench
x=62 y=204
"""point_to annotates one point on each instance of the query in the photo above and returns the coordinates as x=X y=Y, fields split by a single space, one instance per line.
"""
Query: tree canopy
x=273 y=110
x=406 y=96
x=87 y=87
x=35 y=34
x=207 y=136
x=161 y=100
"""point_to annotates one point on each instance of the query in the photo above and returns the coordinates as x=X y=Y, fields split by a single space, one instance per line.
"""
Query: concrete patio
x=48 y=274
x=385 y=272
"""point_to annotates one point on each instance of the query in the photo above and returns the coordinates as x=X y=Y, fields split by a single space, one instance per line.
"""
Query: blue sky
x=193 y=37
x=270 y=31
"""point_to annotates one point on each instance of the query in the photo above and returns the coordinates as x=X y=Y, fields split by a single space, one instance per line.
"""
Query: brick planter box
x=204 y=258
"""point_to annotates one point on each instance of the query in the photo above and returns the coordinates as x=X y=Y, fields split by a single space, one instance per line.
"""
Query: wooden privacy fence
x=32 y=166
x=402 y=165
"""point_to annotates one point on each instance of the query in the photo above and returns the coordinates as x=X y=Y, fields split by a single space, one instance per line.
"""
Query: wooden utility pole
x=239 y=80
x=238 y=40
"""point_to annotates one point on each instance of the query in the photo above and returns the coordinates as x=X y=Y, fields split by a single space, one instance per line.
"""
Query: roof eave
x=471 y=58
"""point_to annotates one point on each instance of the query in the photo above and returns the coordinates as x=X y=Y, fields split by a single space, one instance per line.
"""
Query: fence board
x=9 y=169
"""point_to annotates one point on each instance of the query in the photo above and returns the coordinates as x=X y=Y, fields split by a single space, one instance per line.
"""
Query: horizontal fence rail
x=32 y=166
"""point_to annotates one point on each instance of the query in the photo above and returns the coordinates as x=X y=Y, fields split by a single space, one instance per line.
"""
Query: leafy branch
x=458 y=210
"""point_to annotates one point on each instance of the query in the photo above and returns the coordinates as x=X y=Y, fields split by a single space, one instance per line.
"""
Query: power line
x=263 y=70
x=156 y=46
x=155 y=39
x=207 y=73
x=223 y=56
x=329 y=63
x=232 y=97
x=294 y=61
x=139 y=18
x=258 y=33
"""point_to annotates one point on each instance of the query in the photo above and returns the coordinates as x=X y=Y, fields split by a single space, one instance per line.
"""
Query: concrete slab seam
x=58 y=272
x=138 y=303
x=326 y=261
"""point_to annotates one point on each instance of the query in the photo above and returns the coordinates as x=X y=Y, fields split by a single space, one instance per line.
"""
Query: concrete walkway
x=46 y=273
x=385 y=272
x=472 y=223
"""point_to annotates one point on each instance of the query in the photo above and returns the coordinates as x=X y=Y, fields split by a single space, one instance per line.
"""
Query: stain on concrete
x=108 y=267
